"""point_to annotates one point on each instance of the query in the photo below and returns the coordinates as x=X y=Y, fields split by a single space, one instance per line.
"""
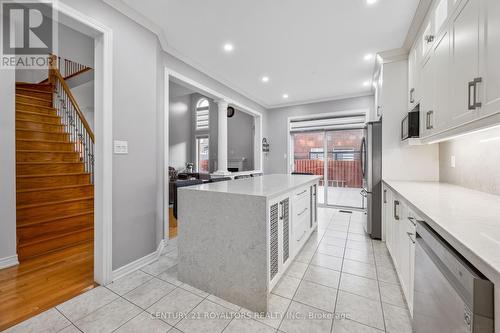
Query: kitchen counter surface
x=467 y=219
x=264 y=186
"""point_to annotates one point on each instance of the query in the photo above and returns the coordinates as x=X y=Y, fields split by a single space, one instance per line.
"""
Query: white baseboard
x=139 y=263
x=9 y=261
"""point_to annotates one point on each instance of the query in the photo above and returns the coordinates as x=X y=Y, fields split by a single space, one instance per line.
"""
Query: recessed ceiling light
x=368 y=56
x=285 y=96
x=265 y=79
x=366 y=83
x=228 y=47
x=371 y=2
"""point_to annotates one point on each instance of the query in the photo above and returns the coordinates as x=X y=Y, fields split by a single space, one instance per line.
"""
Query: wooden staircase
x=55 y=195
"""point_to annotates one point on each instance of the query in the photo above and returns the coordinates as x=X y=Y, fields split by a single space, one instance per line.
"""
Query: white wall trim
x=168 y=74
x=139 y=263
x=103 y=187
x=9 y=261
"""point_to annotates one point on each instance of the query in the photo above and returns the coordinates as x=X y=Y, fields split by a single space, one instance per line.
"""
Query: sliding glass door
x=345 y=177
x=335 y=156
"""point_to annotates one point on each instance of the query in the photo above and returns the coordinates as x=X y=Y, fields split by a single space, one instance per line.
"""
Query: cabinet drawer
x=301 y=208
x=300 y=228
x=301 y=194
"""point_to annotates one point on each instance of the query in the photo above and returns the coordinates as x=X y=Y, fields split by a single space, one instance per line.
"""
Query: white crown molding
x=320 y=100
x=9 y=261
x=418 y=19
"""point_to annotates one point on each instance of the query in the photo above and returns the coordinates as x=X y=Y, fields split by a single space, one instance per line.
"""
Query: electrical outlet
x=453 y=161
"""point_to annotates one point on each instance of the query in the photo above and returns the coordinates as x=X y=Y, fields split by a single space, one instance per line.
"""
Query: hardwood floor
x=172 y=224
x=42 y=282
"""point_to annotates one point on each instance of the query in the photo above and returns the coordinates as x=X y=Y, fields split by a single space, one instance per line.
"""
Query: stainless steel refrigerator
x=371 y=166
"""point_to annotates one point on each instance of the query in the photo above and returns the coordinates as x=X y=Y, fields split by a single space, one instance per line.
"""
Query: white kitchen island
x=236 y=238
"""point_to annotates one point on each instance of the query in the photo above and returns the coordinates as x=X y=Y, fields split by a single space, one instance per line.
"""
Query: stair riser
x=53 y=211
x=29 y=251
x=38 y=117
x=32 y=197
x=28 y=125
x=51 y=181
x=37 y=94
x=31 y=135
x=34 y=108
x=36 y=86
x=56 y=227
x=46 y=157
x=39 y=145
x=29 y=100
x=48 y=168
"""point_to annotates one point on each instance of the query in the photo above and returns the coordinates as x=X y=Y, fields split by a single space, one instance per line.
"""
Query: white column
x=222 y=139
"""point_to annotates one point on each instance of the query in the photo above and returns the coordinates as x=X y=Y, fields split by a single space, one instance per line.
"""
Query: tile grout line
x=379 y=292
x=71 y=323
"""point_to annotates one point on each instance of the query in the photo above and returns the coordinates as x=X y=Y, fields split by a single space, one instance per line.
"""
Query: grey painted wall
x=477 y=157
x=240 y=138
x=8 y=164
x=73 y=45
x=180 y=138
x=276 y=126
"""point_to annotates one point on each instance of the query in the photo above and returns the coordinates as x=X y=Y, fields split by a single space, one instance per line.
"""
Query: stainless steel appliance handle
x=396 y=205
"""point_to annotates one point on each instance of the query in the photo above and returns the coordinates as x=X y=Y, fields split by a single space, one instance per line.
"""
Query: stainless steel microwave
x=410 y=125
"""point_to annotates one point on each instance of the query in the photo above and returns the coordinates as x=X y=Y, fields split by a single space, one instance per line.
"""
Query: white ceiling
x=311 y=50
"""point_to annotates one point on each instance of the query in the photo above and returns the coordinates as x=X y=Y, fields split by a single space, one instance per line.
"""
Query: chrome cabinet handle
x=429 y=122
x=302 y=236
x=363 y=193
x=281 y=211
x=396 y=205
x=410 y=236
x=412 y=98
x=301 y=193
x=412 y=220
x=476 y=81
x=470 y=102
x=385 y=196
x=302 y=212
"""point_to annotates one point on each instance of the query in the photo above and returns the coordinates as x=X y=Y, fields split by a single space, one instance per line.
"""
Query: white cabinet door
x=404 y=250
x=464 y=61
x=279 y=237
x=489 y=89
x=389 y=221
x=427 y=110
x=441 y=58
x=412 y=78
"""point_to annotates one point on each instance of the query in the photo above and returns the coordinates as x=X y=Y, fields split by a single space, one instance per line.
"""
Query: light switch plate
x=120 y=147
x=453 y=161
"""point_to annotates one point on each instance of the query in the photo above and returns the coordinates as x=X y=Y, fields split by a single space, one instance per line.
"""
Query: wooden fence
x=340 y=173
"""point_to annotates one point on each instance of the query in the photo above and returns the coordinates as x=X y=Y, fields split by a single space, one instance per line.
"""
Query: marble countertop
x=467 y=219
x=265 y=186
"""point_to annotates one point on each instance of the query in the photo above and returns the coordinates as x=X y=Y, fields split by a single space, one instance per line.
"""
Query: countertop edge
x=489 y=270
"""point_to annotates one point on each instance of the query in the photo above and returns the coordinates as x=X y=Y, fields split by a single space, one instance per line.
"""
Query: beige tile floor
x=340 y=282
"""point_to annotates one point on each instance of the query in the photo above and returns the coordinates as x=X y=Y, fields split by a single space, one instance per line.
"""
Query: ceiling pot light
x=228 y=47
x=368 y=57
x=265 y=79
x=366 y=83
x=285 y=96
x=371 y=2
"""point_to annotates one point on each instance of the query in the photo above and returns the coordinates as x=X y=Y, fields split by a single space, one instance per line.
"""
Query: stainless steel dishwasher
x=451 y=296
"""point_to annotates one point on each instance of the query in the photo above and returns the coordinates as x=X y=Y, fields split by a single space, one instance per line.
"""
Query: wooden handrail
x=56 y=75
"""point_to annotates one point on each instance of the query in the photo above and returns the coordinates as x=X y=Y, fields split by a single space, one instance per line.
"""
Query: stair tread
x=36 y=114
x=39 y=131
x=36 y=105
x=62 y=217
x=45 y=151
x=47 y=162
x=54 y=202
x=46 y=141
x=52 y=188
x=31 y=97
x=54 y=174
x=51 y=237
x=39 y=122
x=34 y=90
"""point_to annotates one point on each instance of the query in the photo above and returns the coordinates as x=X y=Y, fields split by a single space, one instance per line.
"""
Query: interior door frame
x=103 y=118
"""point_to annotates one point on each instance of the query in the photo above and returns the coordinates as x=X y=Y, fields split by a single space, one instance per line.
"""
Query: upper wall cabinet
x=489 y=57
x=454 y=72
